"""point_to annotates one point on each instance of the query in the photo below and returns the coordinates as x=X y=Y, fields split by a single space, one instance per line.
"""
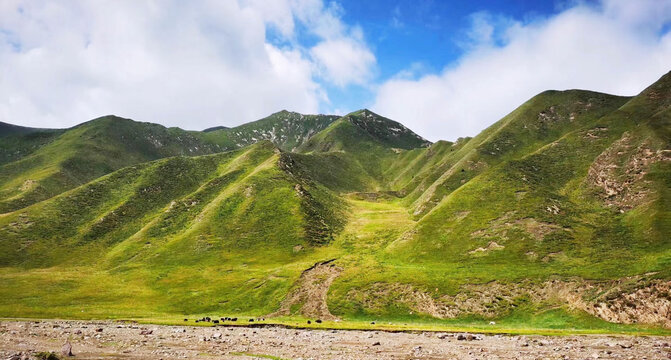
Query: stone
x=66 y=350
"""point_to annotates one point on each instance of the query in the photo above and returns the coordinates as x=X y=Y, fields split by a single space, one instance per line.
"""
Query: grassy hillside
x=36 y=164
x=536 y=123
x=236 y=214
x=10 y=129
x=369 y=141
x=577 y=204
x=556 y=217
x=288 y=130
x=65 y=159
x=19 y=141
x=14 y=146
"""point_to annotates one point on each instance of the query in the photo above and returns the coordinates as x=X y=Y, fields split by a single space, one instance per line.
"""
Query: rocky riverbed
x=113 y=340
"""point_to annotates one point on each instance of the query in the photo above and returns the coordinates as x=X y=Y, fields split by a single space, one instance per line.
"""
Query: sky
x=446 y=69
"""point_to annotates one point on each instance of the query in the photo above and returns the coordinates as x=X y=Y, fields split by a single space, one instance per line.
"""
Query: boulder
x=66 y=350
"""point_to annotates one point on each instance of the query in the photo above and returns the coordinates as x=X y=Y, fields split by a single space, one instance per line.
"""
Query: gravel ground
x=110 y=340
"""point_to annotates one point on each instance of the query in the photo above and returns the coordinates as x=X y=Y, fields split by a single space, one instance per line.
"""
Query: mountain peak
x=386 y=130
x=285 y=112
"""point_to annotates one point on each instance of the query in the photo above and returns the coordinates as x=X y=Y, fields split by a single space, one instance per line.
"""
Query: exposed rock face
x=650 y=304
x=628 y=300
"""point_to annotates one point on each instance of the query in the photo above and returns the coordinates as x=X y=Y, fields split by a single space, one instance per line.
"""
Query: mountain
x=215 y=128
x=18 y=141
x=9 y=129
x=54 y=161
x=288 y=130
x=365 y=141
x=242 y=199
x=61 y=160
x=555 y=217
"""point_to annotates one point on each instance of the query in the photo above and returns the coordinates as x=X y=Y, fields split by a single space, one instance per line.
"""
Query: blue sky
x=425 y=35
x=428 y=32
x=446 y=69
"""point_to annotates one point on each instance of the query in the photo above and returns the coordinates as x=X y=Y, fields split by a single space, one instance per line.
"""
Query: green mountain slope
x=18 y=141
x=10 y=129
x=367 y=142
x=557 y=216
x=538 y=122
x=581 y=208
x=71 y=157
x=63 y=160
x=235 y=213
x=288 y=130
x=16 y=145
x=246 y=199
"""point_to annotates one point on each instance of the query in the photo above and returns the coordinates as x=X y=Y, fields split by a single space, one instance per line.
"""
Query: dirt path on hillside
x=373 y=224
x=310 y=292
x=108 y=340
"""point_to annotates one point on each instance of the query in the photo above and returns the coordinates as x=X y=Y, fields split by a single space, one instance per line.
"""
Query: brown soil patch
x=648 y=304
x=498 y=228
x=310 y=291
x=596 y=133
x=491 y=246
x=27 y=185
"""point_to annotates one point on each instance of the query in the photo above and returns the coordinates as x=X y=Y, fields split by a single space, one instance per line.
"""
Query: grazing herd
x=215 y=321
x=234 y=319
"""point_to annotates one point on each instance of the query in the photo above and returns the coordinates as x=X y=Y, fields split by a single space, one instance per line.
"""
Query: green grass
x=62 y=160
x=136 y=233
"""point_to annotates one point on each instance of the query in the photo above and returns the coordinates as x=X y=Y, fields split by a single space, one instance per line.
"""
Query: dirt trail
x=108 y=340
x=310 y=292
x=374 y=223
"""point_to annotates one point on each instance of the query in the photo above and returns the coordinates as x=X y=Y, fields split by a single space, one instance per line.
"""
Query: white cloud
x=344 y=61
x=191 y=64
x=615 y=47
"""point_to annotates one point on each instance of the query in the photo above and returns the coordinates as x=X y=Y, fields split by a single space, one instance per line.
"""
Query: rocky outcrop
x=619 y=172
x=627 y=301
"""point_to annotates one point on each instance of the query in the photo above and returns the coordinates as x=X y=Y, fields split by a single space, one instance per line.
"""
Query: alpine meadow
x=555 y=219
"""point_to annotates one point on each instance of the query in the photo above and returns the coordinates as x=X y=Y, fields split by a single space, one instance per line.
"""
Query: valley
x=554 y=220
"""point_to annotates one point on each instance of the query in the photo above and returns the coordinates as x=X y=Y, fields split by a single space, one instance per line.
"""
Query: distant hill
x=53 y=161
x=555 y=217
x=61 y=160
x=214 y=128
x=9 y=129
x=288 y=130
